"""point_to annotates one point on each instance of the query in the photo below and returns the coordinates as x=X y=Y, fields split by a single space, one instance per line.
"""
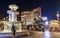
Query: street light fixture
x=46 y=23
x=58 y=17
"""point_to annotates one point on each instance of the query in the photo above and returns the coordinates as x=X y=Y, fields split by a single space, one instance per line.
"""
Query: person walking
x=13 y=31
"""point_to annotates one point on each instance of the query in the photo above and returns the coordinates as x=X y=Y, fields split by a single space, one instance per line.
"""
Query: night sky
x=49 y=7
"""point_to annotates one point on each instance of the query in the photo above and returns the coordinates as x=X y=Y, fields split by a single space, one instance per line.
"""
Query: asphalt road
x=34 y=34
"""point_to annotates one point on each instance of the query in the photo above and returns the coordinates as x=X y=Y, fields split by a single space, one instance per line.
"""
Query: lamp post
x=58 y=18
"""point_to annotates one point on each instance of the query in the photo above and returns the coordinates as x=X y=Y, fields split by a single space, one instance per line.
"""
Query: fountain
x=12 y=19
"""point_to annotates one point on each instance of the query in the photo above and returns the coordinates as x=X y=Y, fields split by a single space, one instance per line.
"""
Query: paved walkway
x=34 y=34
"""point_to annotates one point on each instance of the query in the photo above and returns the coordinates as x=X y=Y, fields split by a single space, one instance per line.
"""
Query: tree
x=38 y=21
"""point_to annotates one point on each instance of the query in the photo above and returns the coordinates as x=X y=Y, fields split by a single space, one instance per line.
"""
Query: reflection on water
x=47 y=34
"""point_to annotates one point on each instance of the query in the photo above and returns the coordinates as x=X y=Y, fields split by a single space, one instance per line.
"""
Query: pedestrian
x=13 y=30
x=28 y=27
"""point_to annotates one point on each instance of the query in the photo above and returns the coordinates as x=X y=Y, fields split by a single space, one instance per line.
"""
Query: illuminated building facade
x=54 y=25
x=28 y=16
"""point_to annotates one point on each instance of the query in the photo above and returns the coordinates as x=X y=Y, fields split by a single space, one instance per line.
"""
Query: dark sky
x=49 y=7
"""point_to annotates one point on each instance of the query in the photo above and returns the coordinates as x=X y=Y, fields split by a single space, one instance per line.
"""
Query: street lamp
x=58 y=18
x=46 y=23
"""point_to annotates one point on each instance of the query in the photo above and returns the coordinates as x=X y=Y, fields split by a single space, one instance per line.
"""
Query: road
x=34 y=34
